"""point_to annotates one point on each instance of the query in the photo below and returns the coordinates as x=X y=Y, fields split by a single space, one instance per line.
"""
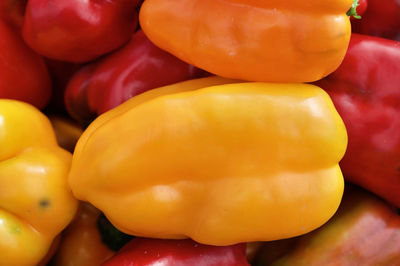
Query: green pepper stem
x=353 y=10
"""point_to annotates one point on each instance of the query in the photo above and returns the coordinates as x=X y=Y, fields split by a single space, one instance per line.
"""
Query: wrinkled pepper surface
x=36 y=203
x=364 y=231
x=78 y=30
x=81 y=243
x=366 y=92
x=207 y=156
x=272 y=41
x=23 y=74
x=147 y=252
x=381 y=19
x=136 y=68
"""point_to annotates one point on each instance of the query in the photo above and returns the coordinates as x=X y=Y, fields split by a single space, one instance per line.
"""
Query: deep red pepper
x=362 y=7
x=23 y=74
x=78 y=30
x=138 y=67
x=364 y=231
x=366 y=92
x=60 y=72
x=382 y=19
x=12 y=12
x=357 y=9
x=146 y=252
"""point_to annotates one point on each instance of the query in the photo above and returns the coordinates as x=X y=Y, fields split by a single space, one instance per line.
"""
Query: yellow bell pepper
x=36 y=203
x=221 y=164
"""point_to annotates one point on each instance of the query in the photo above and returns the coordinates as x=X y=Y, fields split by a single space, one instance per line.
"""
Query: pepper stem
x=353 y=10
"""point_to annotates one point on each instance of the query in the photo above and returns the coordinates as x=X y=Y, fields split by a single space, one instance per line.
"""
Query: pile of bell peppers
x=199 y=132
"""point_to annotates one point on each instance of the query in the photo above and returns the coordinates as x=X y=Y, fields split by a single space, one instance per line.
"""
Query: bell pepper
x=362 y=7
x=12 y=12
x=67 y=132
x=147 y=252
x=81 y=243
x=23 y=74
x=52 y=250
x=366 y=92
x=273 y=41
x=36 y=203
x=382 y=19
x=78 y=30
x=136 y=68
x=222 y=163
x=358 y=9
x=364 y=231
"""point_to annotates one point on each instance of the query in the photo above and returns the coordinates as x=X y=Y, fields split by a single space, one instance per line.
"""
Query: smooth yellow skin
x=35 y=201
x=219 y=164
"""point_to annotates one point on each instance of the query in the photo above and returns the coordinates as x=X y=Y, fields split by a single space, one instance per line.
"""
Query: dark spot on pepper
x=44 y=203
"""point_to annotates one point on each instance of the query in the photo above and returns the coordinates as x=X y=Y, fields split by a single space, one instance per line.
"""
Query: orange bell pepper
x=52 y=250
x=81 y=243
x=256 y=40
x=221 y=164
x=36 y=203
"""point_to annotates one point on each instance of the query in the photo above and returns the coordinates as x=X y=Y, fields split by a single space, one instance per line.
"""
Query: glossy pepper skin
x=81 y=243
x=382 y=19
x=272 y=41
x=364 y=231
x=146 y=252
x=366 y=92
x=361 y=7
x=135 y=68
x=36 y=203
x=207 y=156
x=23 y=74
x=52 y=250
x=78 y=30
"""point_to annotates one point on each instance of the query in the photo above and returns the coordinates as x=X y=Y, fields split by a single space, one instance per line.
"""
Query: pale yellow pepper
x=220 y=164
x=35 y=201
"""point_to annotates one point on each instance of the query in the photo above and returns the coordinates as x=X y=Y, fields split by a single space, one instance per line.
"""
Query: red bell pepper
x=138 y=67
x=364 y=231
x=78 y=30
x=146 y=252
x=366 y=92
x=382 y=19
x=12 y=12
x=360 y=9
x=23 y=74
